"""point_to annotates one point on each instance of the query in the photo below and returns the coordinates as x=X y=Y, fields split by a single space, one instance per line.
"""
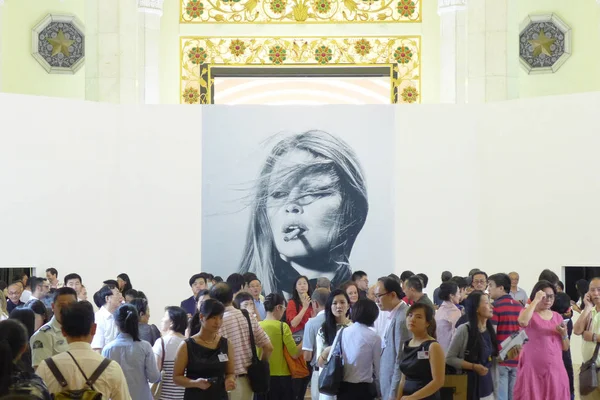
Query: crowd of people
x=395 y=342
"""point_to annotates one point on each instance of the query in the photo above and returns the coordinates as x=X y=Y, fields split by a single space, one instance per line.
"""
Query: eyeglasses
x=380 y=295
x=479 y=281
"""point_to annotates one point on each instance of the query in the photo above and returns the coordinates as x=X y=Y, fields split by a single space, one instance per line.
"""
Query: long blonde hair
x=331 y=155
x=3 y=310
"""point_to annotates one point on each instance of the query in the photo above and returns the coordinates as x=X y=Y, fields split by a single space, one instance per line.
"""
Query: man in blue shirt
x=197 y=283
x=255 y=289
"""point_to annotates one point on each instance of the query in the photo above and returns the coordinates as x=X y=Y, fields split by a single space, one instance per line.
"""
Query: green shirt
x=277 y=362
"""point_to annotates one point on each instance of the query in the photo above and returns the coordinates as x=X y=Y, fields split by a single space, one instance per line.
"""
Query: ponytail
x=127 y=319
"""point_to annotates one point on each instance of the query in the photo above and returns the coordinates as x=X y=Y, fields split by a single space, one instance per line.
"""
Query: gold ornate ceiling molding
x=199 y=55
x=299 y=11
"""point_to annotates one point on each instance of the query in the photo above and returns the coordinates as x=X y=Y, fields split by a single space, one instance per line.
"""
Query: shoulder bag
x=297 y=366
x=259 y=373
x=156 y=388
x=332 y=373
x=588 y=374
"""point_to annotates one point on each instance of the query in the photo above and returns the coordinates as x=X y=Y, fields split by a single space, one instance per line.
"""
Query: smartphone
x=213 y=380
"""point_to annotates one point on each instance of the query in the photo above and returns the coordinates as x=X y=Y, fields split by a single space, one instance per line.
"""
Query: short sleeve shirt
x=48 y=341
x=311 y=329
x=106 y=329
x=235 y=329
x=587 y=348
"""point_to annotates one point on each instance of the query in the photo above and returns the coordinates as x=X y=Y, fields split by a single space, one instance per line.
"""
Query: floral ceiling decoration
x=402 y=54
x=295 y=11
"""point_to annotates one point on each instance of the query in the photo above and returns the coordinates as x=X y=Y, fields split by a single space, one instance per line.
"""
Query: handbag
x=156 y=388
x=259 y=373
x=588 y=374
x=298 y=368
x=332 y=374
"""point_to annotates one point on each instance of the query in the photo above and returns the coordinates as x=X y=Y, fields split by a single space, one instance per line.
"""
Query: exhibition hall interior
x=145 y=142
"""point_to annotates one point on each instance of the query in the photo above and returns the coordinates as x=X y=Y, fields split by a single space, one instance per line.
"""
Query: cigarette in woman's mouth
x=293 y=234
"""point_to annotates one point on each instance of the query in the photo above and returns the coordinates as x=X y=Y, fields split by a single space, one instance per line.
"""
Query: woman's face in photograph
x=302 y=208
x=340 y=306
x=485 y=309
x=302 y=286
x=352 y=293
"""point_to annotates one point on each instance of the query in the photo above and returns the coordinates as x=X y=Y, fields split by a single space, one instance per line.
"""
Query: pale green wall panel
x=21 y=73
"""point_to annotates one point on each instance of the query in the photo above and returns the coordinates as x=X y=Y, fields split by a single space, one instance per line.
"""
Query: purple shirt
x=445 y=319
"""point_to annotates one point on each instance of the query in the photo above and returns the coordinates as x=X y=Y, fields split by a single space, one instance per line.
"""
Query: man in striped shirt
x=505 y=319
x=235 y=330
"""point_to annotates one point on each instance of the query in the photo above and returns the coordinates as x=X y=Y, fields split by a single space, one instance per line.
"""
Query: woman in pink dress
x=541 y=374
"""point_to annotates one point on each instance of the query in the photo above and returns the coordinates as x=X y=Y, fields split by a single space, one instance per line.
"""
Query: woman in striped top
x=173 y=325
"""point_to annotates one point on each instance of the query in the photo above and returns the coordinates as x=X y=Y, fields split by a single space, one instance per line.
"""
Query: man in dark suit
x=362 y=281
x=388 y=295
x=197 y=283
x=14 y=296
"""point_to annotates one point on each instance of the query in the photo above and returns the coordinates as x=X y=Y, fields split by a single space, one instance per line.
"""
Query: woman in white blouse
x=361 y=352
x=173 y=325
x=336 y=317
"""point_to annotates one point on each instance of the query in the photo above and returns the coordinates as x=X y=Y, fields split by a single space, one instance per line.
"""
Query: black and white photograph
x=298 y=191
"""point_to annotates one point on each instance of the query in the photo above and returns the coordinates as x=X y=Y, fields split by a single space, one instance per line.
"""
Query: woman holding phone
x=204 y=364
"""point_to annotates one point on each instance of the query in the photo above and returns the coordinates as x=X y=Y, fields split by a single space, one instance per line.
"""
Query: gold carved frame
x=295 y=11
x=401 y=54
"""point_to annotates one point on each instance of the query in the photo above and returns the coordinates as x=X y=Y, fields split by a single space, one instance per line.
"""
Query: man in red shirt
x=505 y=319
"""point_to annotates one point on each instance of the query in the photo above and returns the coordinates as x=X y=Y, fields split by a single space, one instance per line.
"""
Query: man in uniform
x=49 y=340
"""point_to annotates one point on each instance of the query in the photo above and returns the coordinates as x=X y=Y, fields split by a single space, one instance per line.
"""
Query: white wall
x=99 y=190
x=111 y=189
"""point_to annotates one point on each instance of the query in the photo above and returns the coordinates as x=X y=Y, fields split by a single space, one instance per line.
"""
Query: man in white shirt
x=309 y=341
x=74 y=281
x=52 y=276
x=388 y=297
x=106 y=329
x=79 y=328
x=49 y=341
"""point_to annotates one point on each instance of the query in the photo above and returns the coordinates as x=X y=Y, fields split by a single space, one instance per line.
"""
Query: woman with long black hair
x=135 y=356
x=336 y=318
x=26 y=316
x=13 y=380
x=474 y=347
x=124 y=283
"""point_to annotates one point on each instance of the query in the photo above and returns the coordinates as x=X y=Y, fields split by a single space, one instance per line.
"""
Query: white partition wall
x=102 y=189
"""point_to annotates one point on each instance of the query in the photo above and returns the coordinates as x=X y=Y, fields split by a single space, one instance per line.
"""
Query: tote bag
x=332 y=373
